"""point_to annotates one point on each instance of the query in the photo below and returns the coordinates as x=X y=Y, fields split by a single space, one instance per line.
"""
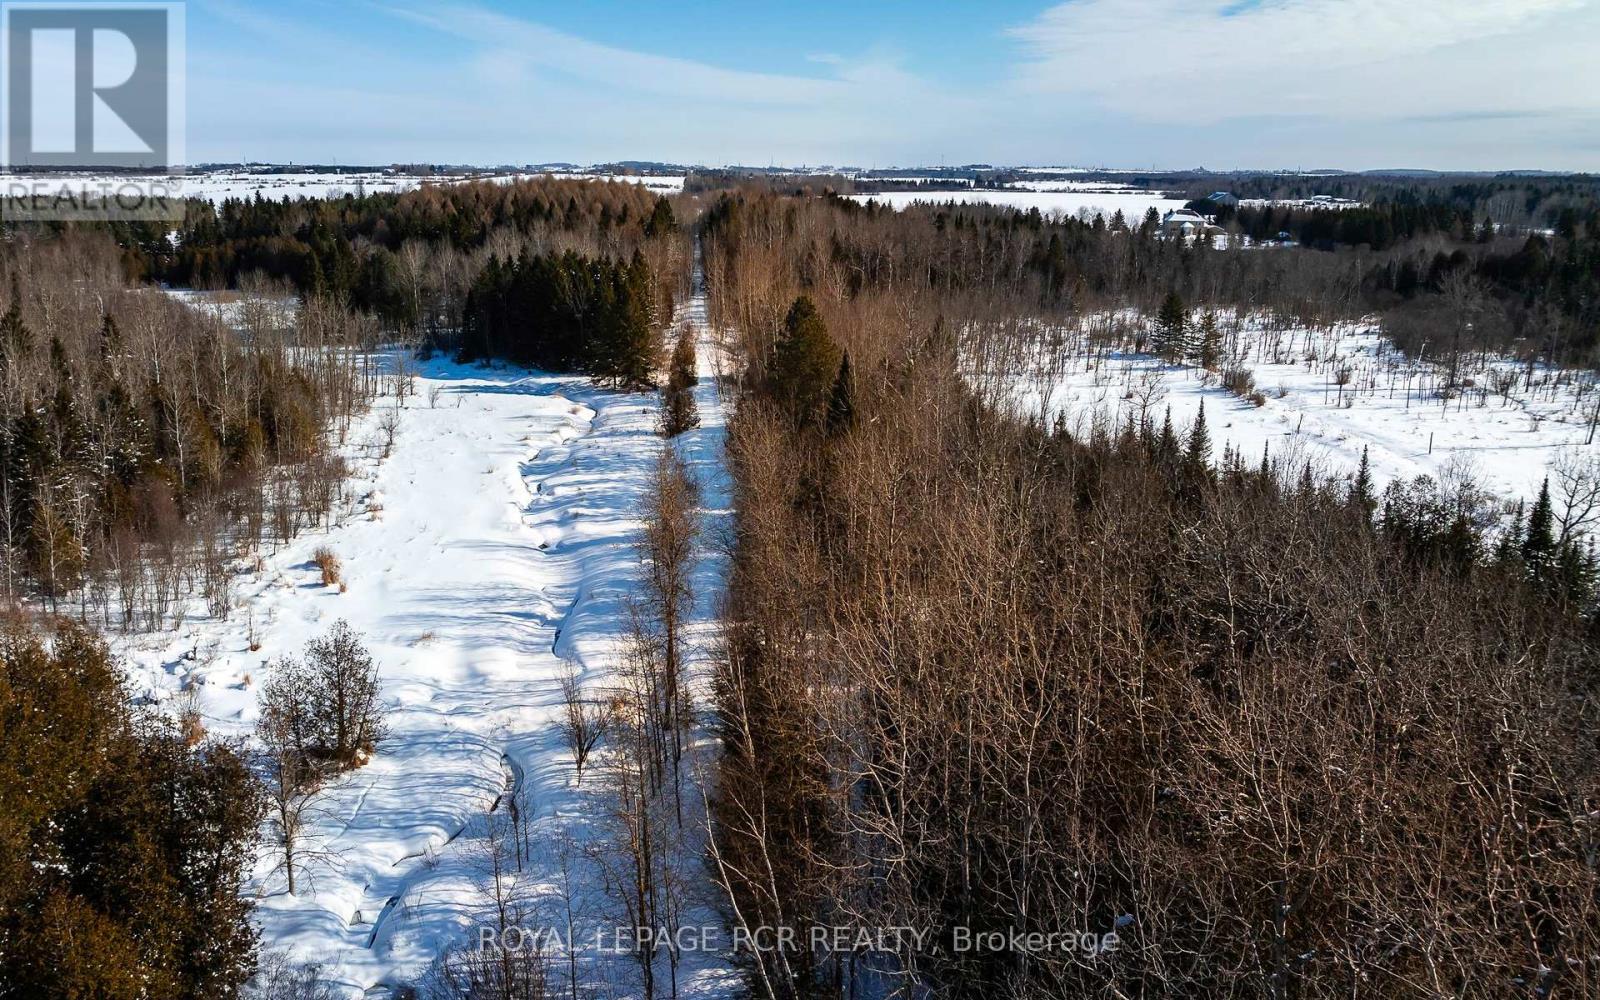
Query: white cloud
x=1202 y=60
x=666 y=76
x=1174 y=83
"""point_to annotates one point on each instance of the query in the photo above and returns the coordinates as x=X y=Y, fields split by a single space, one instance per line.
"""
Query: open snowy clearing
x=494 y=544
x=1132 y=204
x=1390 y=404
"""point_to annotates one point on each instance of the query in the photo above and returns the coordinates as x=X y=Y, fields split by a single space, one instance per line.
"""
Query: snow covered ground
x=230 y=307
x=495 y=544
x=219 y=186
x=1390 y=404
x=1100 y=200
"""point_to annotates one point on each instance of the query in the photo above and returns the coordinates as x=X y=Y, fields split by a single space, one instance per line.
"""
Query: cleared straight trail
x=496 y=541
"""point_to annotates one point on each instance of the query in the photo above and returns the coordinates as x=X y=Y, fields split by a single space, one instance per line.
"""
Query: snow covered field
x=219 y=186
x=1098 y=200
x=495 y=544
x=1389 y=404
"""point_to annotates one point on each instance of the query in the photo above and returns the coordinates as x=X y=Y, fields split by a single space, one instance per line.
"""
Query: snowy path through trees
x=494 y=545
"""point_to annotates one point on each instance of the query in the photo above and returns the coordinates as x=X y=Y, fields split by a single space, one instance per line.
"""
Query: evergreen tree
x=1210 y=349
x=15 y=340
x=842 y=401
x=805 y=364
x=634 y=349
x=1171 y=325
x=123 y=846
x=1576 y=570
x=1167 y=443
x=1151 y=222
x=1539 y=543
x=1362 y=496
x=679 y=411
x=1197 y=453
x=1508 y=549
x=662 y=222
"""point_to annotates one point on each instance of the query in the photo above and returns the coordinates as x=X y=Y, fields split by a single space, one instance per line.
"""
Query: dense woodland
x=150 y=451
x=144 y=446
x=569 y=253
x=1283 y=736
x=1433 y=273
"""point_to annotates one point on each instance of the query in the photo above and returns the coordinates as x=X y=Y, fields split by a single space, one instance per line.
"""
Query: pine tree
x=1210 y=350
x=1171 y=324
x=1362 y=497
x=662 y=222
x=842 y=401
x=1576 y=570
x=15 y=340
x=805 y=364
x=1539 y=543
x=1197 y=454
x=1167 y=443
x=679 y=411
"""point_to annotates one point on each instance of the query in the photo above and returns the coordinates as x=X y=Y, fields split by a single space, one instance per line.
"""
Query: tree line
x=411 y=259
x=566 y=312
x=1531 y=294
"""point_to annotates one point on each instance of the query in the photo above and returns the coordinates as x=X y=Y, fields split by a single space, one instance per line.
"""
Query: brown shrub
x=326 y=561
x=1239 y=381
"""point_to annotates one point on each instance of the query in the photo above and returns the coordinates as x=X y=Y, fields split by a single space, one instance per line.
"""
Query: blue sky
x=1472 y=84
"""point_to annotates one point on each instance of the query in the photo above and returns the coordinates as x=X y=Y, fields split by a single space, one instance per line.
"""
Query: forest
x=1283 y=735
x=412 y=259
x=1274 y=732
x=152 y=452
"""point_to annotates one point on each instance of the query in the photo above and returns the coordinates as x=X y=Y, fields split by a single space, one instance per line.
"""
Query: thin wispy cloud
x=540 y=47
x=1200 y=60
x=1223 y=83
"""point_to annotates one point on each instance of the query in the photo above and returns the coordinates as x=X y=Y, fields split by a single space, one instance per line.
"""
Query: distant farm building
x=1223 y=199
x=1184 y=222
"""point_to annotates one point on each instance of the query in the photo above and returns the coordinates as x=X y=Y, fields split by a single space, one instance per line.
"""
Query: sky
x=1123 y=84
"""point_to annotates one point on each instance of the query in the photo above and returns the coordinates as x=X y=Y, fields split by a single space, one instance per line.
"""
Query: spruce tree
x=842 y=401
x=805 y=364
x=1362 y=497
x=1167 y=443
x=662 y=222
x=1152 y=222
x=679 y=411
x=1197 y=454
x=1539 y=543
x=1171 y=324
x=1210 y=348
x=15 y=340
